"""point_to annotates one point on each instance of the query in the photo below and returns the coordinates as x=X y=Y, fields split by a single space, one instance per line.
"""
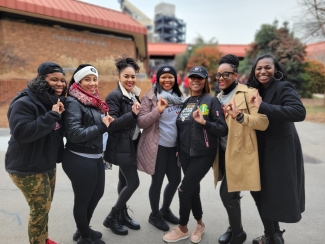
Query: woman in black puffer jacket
x=123 y=139
x=35 y=144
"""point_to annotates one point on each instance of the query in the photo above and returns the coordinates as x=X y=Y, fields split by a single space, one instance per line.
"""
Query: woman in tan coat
x=238 y=156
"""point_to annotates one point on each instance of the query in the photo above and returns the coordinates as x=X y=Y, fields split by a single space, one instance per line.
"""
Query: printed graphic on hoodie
x=185 y=114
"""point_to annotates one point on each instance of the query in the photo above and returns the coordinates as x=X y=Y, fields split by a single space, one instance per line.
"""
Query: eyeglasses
x=224 y=75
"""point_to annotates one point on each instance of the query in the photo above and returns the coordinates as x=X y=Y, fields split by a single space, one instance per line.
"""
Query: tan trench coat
x=242 y=165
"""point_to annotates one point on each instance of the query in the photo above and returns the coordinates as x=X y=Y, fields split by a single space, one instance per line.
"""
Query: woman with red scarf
x=86 y=123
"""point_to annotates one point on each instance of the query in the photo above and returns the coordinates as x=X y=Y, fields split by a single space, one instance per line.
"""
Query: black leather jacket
x=84 y=128
x=120 y=146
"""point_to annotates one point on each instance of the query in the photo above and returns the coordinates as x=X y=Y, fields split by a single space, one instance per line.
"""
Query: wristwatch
x=239 y=114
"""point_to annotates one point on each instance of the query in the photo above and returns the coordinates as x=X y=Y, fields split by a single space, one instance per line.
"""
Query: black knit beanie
x=165 y=68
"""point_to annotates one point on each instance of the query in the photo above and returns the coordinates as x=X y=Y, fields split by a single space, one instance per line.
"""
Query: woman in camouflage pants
x=34 y=146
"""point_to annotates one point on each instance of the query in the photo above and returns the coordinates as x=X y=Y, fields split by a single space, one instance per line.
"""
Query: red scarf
x=86 y=99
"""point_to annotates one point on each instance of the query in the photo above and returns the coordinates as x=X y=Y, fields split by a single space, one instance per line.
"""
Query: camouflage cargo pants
x=38 y=190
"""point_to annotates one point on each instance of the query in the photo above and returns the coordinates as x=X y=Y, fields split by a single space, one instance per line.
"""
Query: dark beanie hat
x=48 y=68
x=165 y=68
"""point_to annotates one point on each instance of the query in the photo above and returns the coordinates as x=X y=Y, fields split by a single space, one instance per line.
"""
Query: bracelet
x=238 y=115
x=240 y=119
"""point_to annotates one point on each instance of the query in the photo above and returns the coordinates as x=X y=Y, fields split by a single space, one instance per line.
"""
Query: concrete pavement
x=14 y=209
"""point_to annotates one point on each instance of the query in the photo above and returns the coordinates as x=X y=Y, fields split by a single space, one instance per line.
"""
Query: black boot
x=112 y=222
x=169 y=216
x=280 y=234
x=225 y=238
x=234 y=213
x=89 y=240
x=273 y=239
x=238 y=239
x=94 y=235
x=126 y=220
x=276 y=238
x=158 y=221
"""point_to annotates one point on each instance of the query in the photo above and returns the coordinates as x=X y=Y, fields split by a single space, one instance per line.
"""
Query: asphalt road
x=14 y=209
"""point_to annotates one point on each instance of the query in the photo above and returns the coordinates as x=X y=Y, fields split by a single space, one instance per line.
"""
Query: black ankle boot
x=126 y=220
x=158 y=221
x=262 y=239
x=112 y=222
x=225 y=238
x=169 y=216
x=280 y=234
x=238 y=239
x=234 y=214
x=89 y=240
x=273 y=239
x=96 y=235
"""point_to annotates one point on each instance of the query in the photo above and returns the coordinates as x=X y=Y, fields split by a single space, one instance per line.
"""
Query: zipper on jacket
x=206 y=138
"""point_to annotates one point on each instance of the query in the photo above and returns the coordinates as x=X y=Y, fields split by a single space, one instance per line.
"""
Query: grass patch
x=315 y=109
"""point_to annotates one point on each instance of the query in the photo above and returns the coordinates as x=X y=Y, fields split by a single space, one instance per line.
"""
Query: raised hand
x=231 y=108
x=162 y=104
x=107 y=120
x=256 y=99
x=136 y=107
x=58 y=107
x=198 y=116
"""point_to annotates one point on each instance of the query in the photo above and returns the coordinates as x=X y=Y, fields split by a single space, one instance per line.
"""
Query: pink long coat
x=148 y=120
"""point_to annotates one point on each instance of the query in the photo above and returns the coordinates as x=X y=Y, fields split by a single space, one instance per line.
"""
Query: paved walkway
x=14 y=209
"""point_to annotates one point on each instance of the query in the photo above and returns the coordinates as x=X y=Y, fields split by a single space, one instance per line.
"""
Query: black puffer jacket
x=84 y=128
x=120 y=146
x=36 y=136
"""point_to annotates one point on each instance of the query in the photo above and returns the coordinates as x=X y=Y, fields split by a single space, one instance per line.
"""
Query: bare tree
x=311 y=24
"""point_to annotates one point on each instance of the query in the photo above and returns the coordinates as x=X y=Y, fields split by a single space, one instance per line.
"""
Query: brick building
x=67 y=32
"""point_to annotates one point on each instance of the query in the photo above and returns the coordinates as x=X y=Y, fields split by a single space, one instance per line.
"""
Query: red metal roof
x=166 y=49
x=237 y=49
x=171 y=49
x=315 y=48
x=77 y=11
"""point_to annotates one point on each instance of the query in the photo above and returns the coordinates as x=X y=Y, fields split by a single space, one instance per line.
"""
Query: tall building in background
x=168 y=28
x=165 y=27
x=136 y=14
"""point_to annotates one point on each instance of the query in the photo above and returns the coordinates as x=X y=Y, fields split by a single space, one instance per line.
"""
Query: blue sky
x=229 y=21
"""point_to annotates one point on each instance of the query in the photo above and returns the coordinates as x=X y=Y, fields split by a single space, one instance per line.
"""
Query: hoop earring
x=278 y=72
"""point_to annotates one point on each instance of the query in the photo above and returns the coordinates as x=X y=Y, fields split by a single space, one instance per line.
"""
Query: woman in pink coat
x=157 y=152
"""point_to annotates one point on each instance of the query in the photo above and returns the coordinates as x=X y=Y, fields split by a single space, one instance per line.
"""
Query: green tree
x=287 y=49
x=315 y=76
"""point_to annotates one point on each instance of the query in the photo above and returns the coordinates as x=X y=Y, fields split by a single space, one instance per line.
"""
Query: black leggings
x=194 y=169
x=127 y=184
x=87 y=176
x=224 y=194
x=166 y=164
x=270 y=226
x=230 y=200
